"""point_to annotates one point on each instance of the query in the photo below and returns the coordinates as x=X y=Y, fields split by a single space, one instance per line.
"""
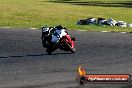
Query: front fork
x=70 y=41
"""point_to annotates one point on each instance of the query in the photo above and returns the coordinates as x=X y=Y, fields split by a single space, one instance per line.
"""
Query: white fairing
x=60 y=34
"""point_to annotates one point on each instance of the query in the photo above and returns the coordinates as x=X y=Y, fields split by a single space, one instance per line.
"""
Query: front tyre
x=73 y=50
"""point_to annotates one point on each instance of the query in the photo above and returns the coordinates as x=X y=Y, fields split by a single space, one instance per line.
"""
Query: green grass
x=37 y=13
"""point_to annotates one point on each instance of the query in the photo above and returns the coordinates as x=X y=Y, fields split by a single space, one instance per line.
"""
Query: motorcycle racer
x=45 y=35
x=57 y=37
x=52 y=34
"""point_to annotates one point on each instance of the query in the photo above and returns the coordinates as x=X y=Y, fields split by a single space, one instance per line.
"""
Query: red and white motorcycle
x=57 y=37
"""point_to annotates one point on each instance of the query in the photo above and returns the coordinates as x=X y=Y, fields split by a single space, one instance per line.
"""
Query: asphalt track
x=25 y=64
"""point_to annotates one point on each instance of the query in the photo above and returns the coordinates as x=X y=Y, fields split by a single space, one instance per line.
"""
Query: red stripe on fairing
x=70 y=40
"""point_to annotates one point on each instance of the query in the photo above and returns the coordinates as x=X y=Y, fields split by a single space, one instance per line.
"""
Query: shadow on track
x=126 y=4
x=46 y=85
x=3 y=57
x=32 y=55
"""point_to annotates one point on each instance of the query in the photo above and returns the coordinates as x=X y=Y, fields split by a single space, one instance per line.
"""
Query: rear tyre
x=49 y=51
x=73 y=50
x=51 y=48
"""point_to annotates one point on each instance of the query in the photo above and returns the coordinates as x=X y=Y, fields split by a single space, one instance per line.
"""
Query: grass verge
x=37 y=13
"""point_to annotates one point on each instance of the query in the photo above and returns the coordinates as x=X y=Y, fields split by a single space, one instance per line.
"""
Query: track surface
x=25 y=64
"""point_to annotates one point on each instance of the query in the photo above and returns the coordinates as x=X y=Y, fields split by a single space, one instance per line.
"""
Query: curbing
x=104 y=31
x=32 y=28
x=115 y=32
x=79 y=30
x=82 y=30
x=123 y=32
x=6 y=27
x=108 y=32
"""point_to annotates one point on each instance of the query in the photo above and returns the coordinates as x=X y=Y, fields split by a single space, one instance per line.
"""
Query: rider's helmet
x=46 y=30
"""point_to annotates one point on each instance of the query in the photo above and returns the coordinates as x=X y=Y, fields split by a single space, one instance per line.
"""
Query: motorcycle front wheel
x=73 y=50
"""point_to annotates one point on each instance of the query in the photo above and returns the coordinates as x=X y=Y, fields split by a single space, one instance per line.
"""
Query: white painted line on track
x=81 y=30
x=123 y=32
x=6 y=27
x=32 y=28
x=104 y=31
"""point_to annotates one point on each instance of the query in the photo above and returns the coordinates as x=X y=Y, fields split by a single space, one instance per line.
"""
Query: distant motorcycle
x=57 y=37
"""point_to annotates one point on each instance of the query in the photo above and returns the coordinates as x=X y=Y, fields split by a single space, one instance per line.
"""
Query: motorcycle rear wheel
x=51 y=49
